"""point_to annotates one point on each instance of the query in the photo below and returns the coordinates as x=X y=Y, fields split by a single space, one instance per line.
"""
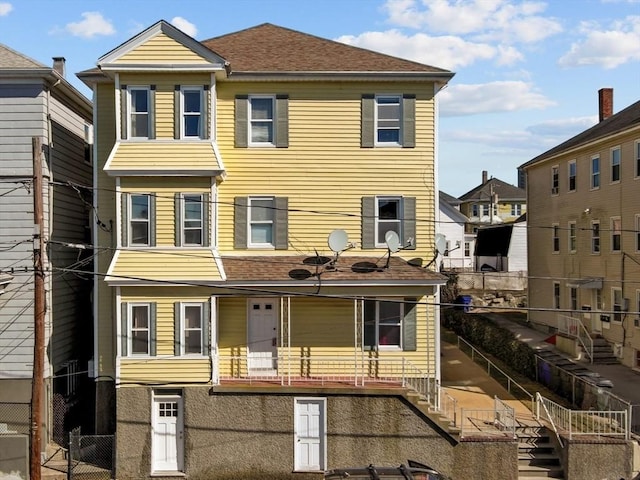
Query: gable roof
x=623 y=120
x=504 y=190
x=270 y=48
x=452 y=212
x=450 y=199
x=10 y=59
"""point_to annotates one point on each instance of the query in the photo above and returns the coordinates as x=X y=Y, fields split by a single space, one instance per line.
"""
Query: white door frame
x=299 y=437
x=269 y=344
x=177 y=436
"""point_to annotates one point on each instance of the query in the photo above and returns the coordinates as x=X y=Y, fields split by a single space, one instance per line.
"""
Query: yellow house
x=249 y=292
x=583 y=236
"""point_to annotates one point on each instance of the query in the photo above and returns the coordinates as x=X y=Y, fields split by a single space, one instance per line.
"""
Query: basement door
x=262 y=341
x=310 y=434
x=167 y=432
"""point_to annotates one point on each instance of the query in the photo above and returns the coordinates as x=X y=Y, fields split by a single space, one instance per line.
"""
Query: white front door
x=262 y=342
x=167 y=435
x=310 y=434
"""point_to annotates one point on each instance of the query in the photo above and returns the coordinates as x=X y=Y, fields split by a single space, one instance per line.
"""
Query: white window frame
x=475 y=210
x=637 y=315
x=556 y=295
x=616 y=306
x=400 y=323
x=183 y=216
x=637 y=232
x=636 y=154
x=595 y=175
x=271 y=121
x=467 y=249
x=184 y=114
x=397 y=221
x=131 y=113
x=131 y=219
x=486 y=209
x=616 y=231
x=595 y=237
x=573 y=298
x=184 y=329
x=571 y=232
x=516 y=209
x=555 y=180
x=572 y=177
x=555 y=238
x=617 y=157
x=397 y=98
x=131 y=330
x=251 y=222
x=598 y=299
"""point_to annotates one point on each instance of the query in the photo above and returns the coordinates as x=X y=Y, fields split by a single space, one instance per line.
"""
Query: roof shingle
x=10 y=59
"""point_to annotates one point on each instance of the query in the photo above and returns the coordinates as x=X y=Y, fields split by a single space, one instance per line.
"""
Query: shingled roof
x=10 y=59
x=270 y=48
x=504 y=190
x=623 y=120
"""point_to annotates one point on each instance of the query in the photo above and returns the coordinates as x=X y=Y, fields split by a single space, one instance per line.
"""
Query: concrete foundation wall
x=249 y=433
x=598 y=460
x=14 y=456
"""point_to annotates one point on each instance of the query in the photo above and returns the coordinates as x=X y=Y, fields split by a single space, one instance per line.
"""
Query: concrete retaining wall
x=597 y=460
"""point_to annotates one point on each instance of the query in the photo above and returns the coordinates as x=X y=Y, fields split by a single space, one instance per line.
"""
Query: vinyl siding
x=161 y=49
x=165 y=157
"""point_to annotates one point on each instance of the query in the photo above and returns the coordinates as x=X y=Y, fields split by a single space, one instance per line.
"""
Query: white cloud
x=93 y=24
x=5 y=8
x=502 y=96
x=184 y=25
x=607 y=48
x=508 y=55
x=444 y=52
x=564 y=128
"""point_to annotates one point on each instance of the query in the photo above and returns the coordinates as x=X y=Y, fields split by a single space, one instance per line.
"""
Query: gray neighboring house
x=37 y=101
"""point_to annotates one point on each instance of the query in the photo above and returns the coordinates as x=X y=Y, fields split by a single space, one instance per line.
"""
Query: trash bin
x=465 y=301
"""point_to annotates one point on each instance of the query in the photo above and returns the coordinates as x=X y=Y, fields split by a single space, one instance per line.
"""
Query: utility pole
x=39 y=311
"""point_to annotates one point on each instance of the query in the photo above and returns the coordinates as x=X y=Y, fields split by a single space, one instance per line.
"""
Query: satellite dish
x=338 y=241
x=392 y=240
x=441 y=243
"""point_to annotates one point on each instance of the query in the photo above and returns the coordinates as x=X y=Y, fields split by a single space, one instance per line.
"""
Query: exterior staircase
x=445 y=423
x=537 y=458
x=603 y=352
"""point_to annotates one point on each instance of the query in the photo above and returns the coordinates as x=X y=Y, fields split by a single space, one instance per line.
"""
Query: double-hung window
x=636 y=153
x=556 y=238
x=595 y=236
x=573 y=296
x=555 y=180
x=138 y=99
x=615 y=164
x=467 y=249
x=388 y=119
x=385 y=213
x=475 y=210
x=192 y=124
x=261 y=121
x=191 y=329
x=389 y=218
x=139 y=219
x=616 y=234
x=637 y=232
x=138 y=329
x=572 y=237
x=261 y=221
x=516 y=209
x=616 y=300
x=556 y=295
x=595 y=172
x=390 y=324
x=485 y=209
x=192 y=219
x=572 y=175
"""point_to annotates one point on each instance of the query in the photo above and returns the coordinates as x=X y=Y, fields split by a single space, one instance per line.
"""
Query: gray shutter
x=124 y=200
x=176 y=112
x=240 y=222
x=409 y=121
x=206 y=100
x=152 y=112
x=206 y=320
x=124 y=113
x=282 y=121
x=153 y=336
x=177 y=206
x=241 y=121
x=409 y=221
x=124 y=329
x=206 y=222
x=367 y=133
x=281 y=240
x=369 y=325
x=409 y=325
x=368 y=222
x=176 y=329
x=152 y=220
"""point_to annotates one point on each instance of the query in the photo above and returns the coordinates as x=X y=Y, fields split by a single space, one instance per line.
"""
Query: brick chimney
x=58 y=65
x=605 y=103
x=484 y=176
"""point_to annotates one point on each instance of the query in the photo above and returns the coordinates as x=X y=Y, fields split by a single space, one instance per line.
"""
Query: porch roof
x=309 y=270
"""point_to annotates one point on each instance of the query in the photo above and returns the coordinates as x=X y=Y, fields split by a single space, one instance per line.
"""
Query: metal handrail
x=575 y=328
x=540 y=401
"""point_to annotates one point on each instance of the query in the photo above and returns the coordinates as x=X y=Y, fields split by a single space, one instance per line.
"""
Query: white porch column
x=213 y=339
x=436 y=321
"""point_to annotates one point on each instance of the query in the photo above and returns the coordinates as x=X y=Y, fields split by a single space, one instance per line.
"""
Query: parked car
x=415 y=471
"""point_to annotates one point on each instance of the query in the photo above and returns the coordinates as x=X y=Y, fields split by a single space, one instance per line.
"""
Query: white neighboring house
x=460 y=245
x=502 y=248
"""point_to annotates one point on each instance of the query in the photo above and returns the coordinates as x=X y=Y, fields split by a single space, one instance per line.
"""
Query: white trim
x=575 y=179
x=118 y=315
x=213 y=111
x=94 y=241
x=322 y=401
x=266 y=245
x=164 y=173
x=182 y=320
x=636 y=159
x=274 y=133
x=203 y=221
x=158 y=396
x=399 y=220
x=611 y=150
x=575 y=236
x=130 y=353
x=612 y=232
x=213 y=339
x=118 y=215
x=146 y=88
x=376 y=128
x=203 y=119
x=118 y=115
x=593 y=157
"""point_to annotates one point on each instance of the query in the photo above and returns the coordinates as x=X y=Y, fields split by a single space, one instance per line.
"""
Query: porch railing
x=582 y=422
x=484 y=423
x=574 y=327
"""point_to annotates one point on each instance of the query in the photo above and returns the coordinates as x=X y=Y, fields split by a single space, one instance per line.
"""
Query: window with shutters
x=388 y=120
x=261 y=121
x=139 y=329
x=191 y=331
x=261 y=222
x=389 y=324
x=388 y=213
x=138 y=107
x=388 y=218
x=191 y=111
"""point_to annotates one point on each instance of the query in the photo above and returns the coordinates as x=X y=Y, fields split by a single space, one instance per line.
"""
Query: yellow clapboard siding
x=232 y=325
x=161 y=49
x=164 y=111
x=164 y=156
x=164 y=370
x=165 y=265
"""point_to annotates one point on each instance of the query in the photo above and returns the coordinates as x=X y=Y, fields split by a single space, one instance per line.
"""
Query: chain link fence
x=90 y=457
x=15 y=418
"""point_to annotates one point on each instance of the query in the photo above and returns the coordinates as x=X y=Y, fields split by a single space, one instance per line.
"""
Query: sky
x=527 y=73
